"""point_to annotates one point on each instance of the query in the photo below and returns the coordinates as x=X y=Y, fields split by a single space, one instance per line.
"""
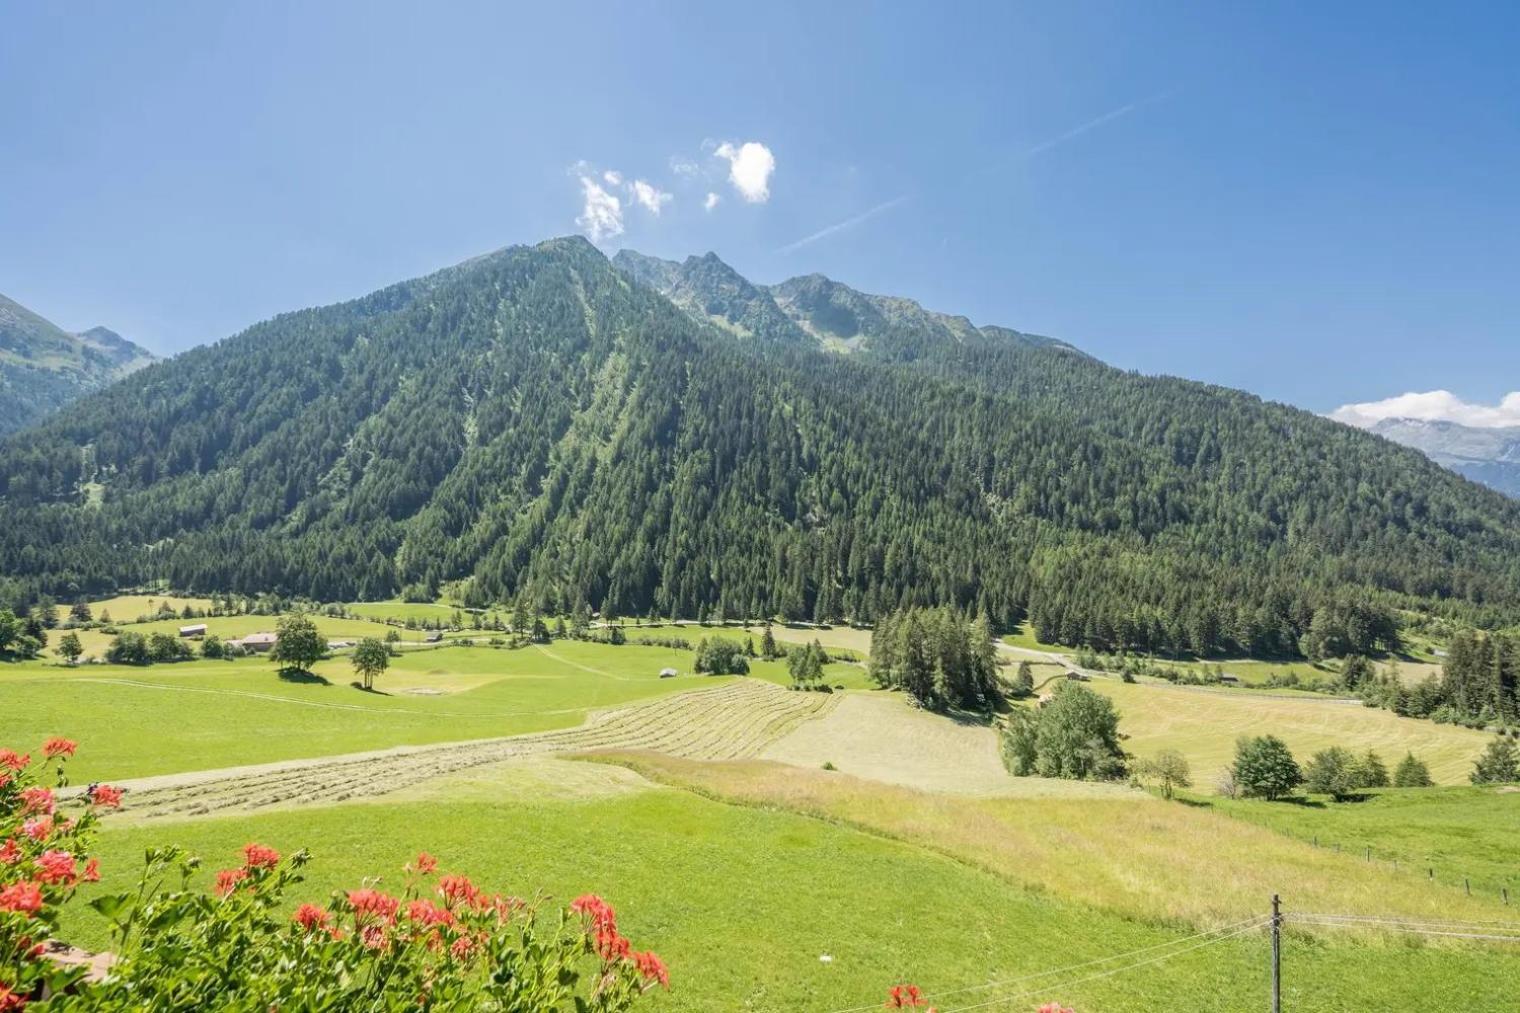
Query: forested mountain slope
x=538 y=422
x=43 y=367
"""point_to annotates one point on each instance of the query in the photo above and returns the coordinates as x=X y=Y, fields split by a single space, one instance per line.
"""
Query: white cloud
x=1432 y=406
x=710 y=201
x=613 y=177
x=602 y=215
x=750 y=166
x=684 y=167
x=649 y=195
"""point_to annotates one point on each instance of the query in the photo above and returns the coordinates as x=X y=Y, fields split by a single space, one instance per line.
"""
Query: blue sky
x=1316 y=202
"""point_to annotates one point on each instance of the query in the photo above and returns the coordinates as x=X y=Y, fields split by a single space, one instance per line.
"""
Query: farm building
x=256 y=642
x=198 y=630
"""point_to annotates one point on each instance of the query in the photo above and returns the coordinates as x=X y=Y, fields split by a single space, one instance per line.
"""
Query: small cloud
x=613 y=177
x=601 y=215
x=649 y=195
x=1432 y=406
x=684 y=167
x=711 y=201
x=750 y=166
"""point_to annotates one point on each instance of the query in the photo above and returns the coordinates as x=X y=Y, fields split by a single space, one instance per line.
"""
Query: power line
x=1397 y=920
x=1047 y=989
x=1247 y=922
x=1392 y=926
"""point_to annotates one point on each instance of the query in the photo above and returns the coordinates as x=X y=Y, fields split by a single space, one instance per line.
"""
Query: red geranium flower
x=372 y=904
x=38 y=829
x=310 y=917
x=256 y=856
x=10 y=852
x=56 y=867
x=92 y=871
x=904 y=997
x=425 y=912
x=652 y=967
x=14 y=760
x=11 y=1002
x=425 y=863
x=36 y=800
x=228 y=879
x=597 y=912
x=56 y=747
x=454 y=889
x=462 y=948
x=106 y=795
x=24 y=897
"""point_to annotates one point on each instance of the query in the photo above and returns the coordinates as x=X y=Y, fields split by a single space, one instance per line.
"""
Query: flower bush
x=439 y=943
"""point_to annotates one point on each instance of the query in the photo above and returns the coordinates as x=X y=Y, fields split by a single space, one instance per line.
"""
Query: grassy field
x=743 y=901
x=128 y=608
x=195 y=715
x=422 y=612
x=96 y=641
x=1203 y=725
x=1456 y=832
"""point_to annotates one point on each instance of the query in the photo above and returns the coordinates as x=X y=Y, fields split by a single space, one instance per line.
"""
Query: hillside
x=537 y=422
x=43 y=367
x=1487 y=455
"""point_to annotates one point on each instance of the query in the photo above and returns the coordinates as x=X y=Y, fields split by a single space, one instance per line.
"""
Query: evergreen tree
x=1412 y=773
x=1499 y=764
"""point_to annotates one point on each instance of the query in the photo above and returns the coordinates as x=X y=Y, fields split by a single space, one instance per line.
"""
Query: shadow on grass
x=368 y=689
x=1193 y=803
x=300 y=675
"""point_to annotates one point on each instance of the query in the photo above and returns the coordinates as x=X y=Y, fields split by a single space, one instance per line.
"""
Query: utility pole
x=1276 y=955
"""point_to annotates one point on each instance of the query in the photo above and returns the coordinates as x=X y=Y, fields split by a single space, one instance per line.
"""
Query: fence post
x=1276 y=955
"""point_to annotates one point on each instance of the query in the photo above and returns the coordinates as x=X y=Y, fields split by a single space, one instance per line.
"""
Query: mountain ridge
x=1487 y=455
x=538 y=422
x=43 y=367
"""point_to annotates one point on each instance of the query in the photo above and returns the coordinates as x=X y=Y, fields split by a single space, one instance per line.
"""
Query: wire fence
x=1501 y=889
x=1060 y=980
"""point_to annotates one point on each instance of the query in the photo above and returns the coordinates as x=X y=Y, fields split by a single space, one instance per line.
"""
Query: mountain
x=43 y=367
x=540 y=423
x=1487 y=455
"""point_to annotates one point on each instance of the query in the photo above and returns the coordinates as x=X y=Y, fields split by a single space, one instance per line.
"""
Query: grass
x=422 y=612
x=743 y=901
x=1456 y=832
x=198 y=715
x=128 y=608
x=1133 y=856
x=1203 y=725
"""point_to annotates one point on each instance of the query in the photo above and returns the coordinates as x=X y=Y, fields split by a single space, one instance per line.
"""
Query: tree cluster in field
x=1265 y=767
x=1072 y=735
x=805 y=666
x=938 y=656
x=720 y=656
x=531 y=426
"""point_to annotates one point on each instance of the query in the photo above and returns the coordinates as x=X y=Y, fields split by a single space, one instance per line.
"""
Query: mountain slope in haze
x=43 y=367
x=537 y=423
x=1487 y=455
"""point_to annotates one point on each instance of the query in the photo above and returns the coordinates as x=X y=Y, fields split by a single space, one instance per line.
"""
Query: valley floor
x=702 y=808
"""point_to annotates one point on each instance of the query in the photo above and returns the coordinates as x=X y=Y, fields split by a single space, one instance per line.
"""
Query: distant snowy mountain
x=1490 y=455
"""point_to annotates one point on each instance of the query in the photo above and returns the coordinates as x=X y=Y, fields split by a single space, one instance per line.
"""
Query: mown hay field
x=1204 y=723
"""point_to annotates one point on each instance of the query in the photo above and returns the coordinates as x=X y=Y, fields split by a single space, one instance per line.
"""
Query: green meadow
x=745 y=902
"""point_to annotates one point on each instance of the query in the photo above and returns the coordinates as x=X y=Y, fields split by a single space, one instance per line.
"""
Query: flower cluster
x=43 y=860
x=439 y=943
x=906 y=997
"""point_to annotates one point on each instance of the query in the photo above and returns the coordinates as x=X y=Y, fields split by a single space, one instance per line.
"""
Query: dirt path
x=732 y=721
